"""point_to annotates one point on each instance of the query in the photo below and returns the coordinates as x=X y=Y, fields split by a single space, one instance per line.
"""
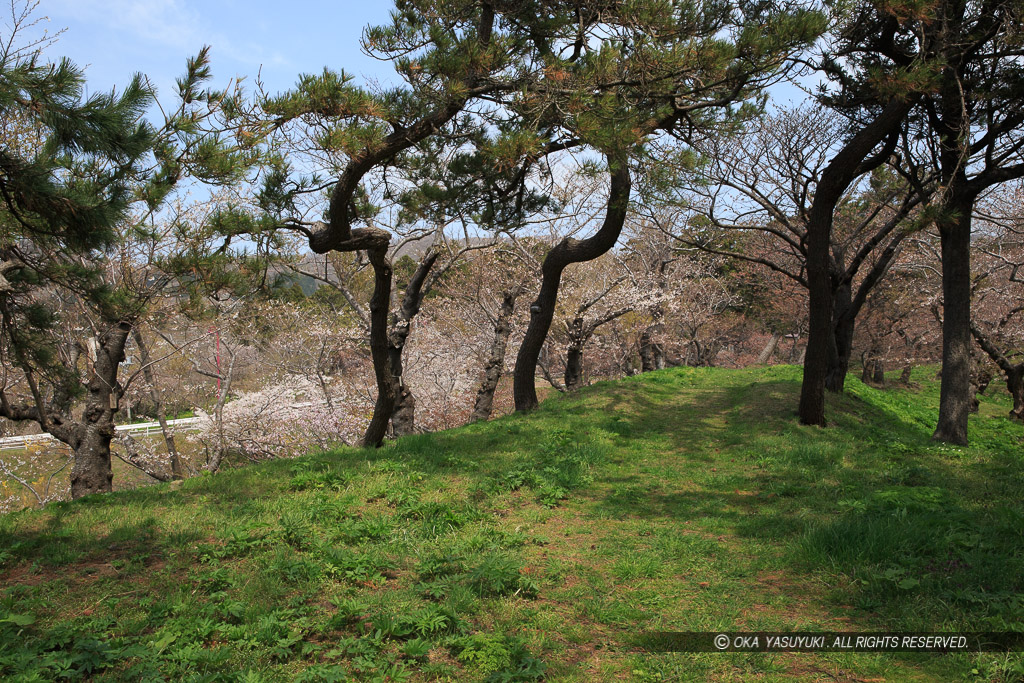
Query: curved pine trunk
x=565 y=253
x=851 y=161
x=380 y=302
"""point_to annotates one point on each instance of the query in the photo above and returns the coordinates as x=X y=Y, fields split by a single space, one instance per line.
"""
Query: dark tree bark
x=954 y=224
x=976 y=114
x=339 y=235
x=652 y=353
x=88 y=437
x=905 y=375
x=564 y=254
x=580 y=332
x=573 y=378
x=380 y=303
x=867 y=369
x=879 y=373
x=848 y=164
x=955 y=388
x=841 y=345
x=496 y=360
x=375 y=242
x=403 y=417
x=1015 y=383
x=847 y=304
x=1013 y=373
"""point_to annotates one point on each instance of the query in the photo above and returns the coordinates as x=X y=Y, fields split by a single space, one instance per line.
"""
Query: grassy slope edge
x=539 y=546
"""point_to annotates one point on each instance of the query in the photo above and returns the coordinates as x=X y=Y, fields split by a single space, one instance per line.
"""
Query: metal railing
x=11 y=443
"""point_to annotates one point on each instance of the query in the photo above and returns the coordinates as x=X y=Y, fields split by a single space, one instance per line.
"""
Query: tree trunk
x=955 y=389
x=866 y=370
x=565 y=253
x=91 y=471
x=851 y=161
x=879 y=376
x=652 y=353
x=380 y=303
x=1014 y=374
x=819 y=333
x=403 y=417
x=403 y=414
x=905 y=375
x=574 y=368
x=1015 y=383
x=495 y=364
x=177 y=471
x=841 y=345
x=769 y=349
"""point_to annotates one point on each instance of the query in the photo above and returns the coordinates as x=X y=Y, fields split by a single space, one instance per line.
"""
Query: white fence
x=11 y=443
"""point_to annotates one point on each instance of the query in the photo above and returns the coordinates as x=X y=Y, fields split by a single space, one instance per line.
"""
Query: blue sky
x=115 y=38
x=278 y=40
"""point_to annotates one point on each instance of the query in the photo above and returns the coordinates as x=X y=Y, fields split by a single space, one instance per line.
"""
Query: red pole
x=218 y=365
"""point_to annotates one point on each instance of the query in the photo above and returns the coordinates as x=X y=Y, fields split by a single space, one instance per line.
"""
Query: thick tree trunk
x=819 y=333
x=495 y=364
x=339 y=236
x=403 y=417
x=574 y=368
x=565 y=253
x=91 y=471
x=850 y=162
x=841 y=345
x=578 y=336
x=982 y=380
x=652 y=353
x=380 y=303
x=955 y=389
x=879 y=376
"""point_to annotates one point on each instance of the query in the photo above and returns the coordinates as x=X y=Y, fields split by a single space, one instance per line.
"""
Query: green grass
x=540 y=546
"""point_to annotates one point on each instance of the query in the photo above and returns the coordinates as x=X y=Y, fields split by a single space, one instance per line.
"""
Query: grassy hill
x=541 y=546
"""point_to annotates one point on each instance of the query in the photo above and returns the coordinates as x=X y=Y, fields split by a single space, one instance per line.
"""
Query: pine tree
x=602 y=79
x=79 y=181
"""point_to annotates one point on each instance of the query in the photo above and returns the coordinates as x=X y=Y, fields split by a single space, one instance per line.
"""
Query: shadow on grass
x=921 y=535
x=925 y=536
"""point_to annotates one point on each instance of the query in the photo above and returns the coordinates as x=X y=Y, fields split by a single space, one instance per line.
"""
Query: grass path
x=541 y=546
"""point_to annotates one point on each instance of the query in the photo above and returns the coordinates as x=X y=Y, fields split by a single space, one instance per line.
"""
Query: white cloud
x=174 y=24
x=167 y=22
